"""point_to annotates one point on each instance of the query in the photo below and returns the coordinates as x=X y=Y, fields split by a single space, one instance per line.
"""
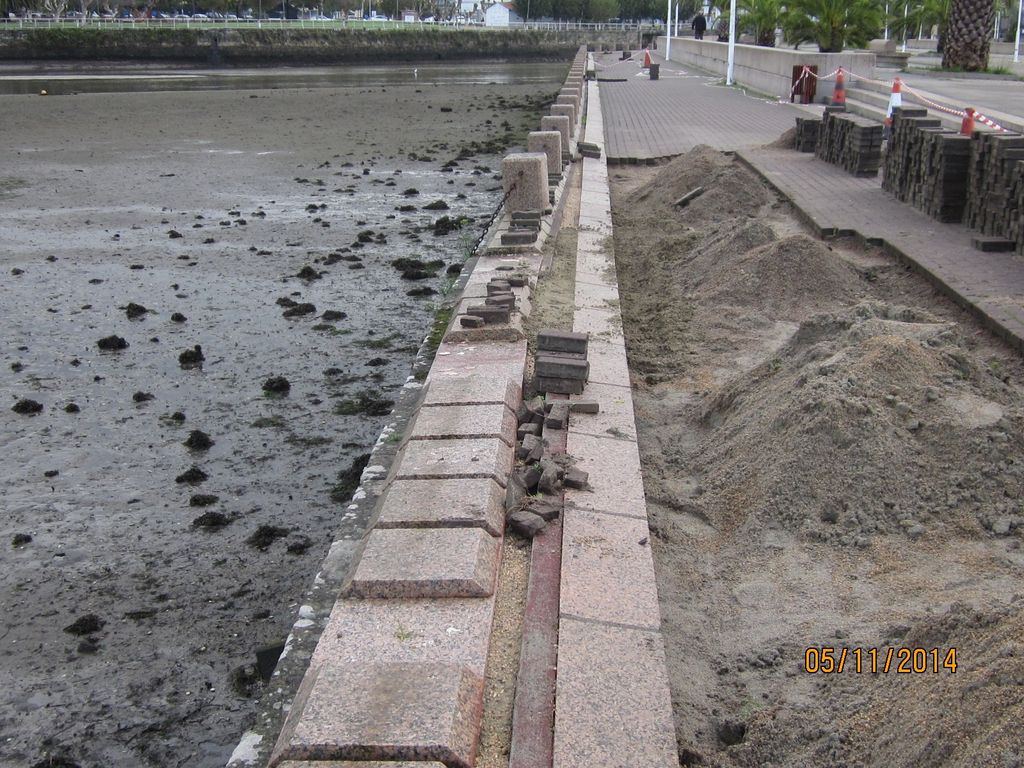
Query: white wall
x=768 y=70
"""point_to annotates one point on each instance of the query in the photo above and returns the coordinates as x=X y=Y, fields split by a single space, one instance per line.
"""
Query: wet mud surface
x=203 y=330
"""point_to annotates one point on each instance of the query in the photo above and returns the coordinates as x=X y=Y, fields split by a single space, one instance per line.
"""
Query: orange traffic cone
x=647 y=58
x=895 y=102
x=967 y=126
x=839 y=94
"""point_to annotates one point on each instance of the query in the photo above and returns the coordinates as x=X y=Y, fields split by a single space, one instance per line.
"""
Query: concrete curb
x=613 y=703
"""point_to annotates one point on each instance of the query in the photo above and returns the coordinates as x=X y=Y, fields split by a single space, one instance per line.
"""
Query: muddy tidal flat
x=203 y=326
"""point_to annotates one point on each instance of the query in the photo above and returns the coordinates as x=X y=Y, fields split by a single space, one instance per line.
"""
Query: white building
x=501 y=15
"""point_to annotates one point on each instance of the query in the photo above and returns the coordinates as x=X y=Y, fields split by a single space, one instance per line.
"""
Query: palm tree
x=833 y=24
x=968 y=35
x=760 y=18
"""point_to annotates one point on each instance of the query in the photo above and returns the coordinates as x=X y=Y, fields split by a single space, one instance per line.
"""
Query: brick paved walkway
x=647 y=118
x=680 y=112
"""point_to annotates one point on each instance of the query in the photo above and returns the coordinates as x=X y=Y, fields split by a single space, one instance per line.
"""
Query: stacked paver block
x=853 y=143
x=613 y=701
x=993 y=199
x=525 y=178
x=927 y=166
x=807 y=129
x=561 y=365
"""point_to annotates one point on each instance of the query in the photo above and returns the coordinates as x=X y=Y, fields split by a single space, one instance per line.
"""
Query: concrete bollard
x=572 y=101
x=558 y=123
x=527 y=172
x=550 y=143
x=568 y=110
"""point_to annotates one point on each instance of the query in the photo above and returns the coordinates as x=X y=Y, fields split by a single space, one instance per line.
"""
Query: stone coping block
x=426 y=562
x=452 y=421
x=615 y=479
x=613 y=702
x=550 y=143
x=470 y=457
x=471 y=390
x=360 y=764
x=599 y=323
x=455 y=630
x=591 y=296
x=460 y=503
x=560 y=123
x=525 y=180
x=607 y=573
x=491 y=359
x=608 y=362
x=385 y=711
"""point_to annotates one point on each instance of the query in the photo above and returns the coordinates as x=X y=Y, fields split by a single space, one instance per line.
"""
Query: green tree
x=833 y=24
x=969 y=34
x=759 y=18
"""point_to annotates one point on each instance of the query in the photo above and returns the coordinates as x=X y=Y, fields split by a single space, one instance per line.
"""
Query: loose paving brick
x=557 y=367
x=494 y=420
x=552 y=340
x=426 y=562
x=386 y=711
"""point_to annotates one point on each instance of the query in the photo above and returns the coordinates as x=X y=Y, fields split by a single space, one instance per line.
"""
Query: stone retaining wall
x=767 y=70
x=299 y=46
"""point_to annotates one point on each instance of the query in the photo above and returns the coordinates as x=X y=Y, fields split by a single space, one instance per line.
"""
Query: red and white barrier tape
x=978 y=116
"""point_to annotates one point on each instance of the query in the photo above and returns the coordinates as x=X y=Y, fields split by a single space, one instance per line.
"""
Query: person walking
x=699 y=24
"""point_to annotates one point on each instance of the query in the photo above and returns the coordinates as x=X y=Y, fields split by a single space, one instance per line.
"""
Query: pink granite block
x=426 y=562
x=594 y=296
x=608 y=363
x=360 y=764
x=470 y=457
x=616 y=412
x=460 y=503
x=472 y=389
x=386 y=711
x=613 y=704
x=615 y=479
x=599 y=323
x=451 y=421
x=607 y=569
x=451 y=631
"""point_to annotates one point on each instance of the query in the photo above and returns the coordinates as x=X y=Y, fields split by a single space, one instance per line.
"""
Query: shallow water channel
x=135 y=601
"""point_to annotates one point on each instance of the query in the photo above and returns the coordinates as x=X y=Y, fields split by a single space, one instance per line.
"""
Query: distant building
x=501 y=15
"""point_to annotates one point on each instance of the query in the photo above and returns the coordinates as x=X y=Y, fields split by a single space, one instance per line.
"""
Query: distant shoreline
x=305 y=47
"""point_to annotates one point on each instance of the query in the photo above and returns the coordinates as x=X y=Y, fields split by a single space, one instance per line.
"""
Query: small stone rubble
x=533 y=496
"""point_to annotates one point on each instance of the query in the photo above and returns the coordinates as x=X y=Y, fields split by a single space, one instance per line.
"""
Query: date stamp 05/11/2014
x=826 y=660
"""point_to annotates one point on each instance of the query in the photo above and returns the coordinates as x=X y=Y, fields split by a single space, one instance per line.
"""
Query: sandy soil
x=833 y=457
x=134 y=603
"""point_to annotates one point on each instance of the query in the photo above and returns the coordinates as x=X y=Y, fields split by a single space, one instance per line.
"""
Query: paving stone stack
x=807 y=133
x=523 y=228
x=993 y=206
x=497 y=306
x=852 y=142
x=561 y=365
x=927 y=166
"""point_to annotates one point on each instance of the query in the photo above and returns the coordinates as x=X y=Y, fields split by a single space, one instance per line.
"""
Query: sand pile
x=789 y=278
x=832 y=456
x=853 y=429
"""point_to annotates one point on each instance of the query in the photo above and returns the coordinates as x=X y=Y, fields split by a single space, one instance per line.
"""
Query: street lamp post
x=732 y=43
x=1016 y=42
x=668 y=30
